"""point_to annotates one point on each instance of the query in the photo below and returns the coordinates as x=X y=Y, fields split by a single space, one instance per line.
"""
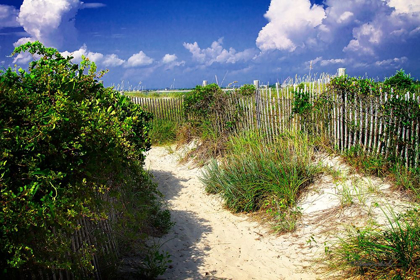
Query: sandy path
x=208 y=242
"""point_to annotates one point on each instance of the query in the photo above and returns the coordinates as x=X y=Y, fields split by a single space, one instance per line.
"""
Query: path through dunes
x=209 y=242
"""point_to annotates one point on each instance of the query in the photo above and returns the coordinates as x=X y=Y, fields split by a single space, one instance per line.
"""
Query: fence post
x=341 y=72
x=204 y=83
x=257 y=102
x=257 y=84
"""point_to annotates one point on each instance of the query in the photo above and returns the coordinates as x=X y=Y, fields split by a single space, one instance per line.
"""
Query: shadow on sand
x=184 y=241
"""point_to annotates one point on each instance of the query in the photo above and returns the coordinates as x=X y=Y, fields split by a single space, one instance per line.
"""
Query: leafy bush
x=401 y=81
x=301 y=104
x=247 y=90
x=354 y=86
x=200 y=101
x=367 y=164
x=66 y=142
x=213 y=115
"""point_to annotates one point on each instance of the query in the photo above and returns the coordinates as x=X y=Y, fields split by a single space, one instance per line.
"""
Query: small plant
x=378 y=165
x=155 y=262
x=211 y=115
x=346 y=195
x=200 y=102
x=310 y=240
x=301 y=104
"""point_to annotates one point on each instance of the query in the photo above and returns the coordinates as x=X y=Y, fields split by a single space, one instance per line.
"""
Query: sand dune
x=209 y=242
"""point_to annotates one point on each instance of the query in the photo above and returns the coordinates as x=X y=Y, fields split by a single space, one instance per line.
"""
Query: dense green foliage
x=204 y=104
x=212 y=115
x=201 y=101
x=301 y=103
x=392 y=105
x=247 y=90
x=402 y=81
x=65 y=143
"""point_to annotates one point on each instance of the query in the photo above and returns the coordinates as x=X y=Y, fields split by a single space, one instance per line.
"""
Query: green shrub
x=247 y=90
x=210 y=104
x=366 y=164
x=65 y=143
x=213 y=115
x=199 y=102
x=401 y=81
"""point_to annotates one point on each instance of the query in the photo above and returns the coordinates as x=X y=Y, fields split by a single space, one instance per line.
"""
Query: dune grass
x=163 y=132
x=376 y=252
x=255 y=175
x=376 y=164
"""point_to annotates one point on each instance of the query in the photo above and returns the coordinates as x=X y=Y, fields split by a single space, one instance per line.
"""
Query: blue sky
x=180 y=43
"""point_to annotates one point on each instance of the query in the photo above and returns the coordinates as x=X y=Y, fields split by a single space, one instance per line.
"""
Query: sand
x=209 y=242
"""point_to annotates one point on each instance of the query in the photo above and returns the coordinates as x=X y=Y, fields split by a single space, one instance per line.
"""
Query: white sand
x=209 y=242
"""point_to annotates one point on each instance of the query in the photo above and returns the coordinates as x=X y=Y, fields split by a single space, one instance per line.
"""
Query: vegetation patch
x=72 y=155
x=376 y=252
x=163 y=132
x=255 y=175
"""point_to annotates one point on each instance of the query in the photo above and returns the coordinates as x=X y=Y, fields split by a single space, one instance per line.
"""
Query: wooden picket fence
x=101 y=235
x=346 y=120
x=162 y=108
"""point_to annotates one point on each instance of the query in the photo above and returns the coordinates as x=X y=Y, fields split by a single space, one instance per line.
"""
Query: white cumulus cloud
x=326 y=62
x=405 y=6
x=290 y=22
x=112 y=60
x=49 y=21
x=171 y=61
x=216 y=53
x=394 y=62
x=354 y=26
x=168 y=58
x=22 y=41
x=83 y=51
x=139 y=59
x=344 y=17
x=22 y=58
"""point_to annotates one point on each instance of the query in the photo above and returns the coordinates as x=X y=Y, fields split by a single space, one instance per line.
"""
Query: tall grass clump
x=378 y=253
x=407 y=178
x=163 y=132
x=256 y=175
